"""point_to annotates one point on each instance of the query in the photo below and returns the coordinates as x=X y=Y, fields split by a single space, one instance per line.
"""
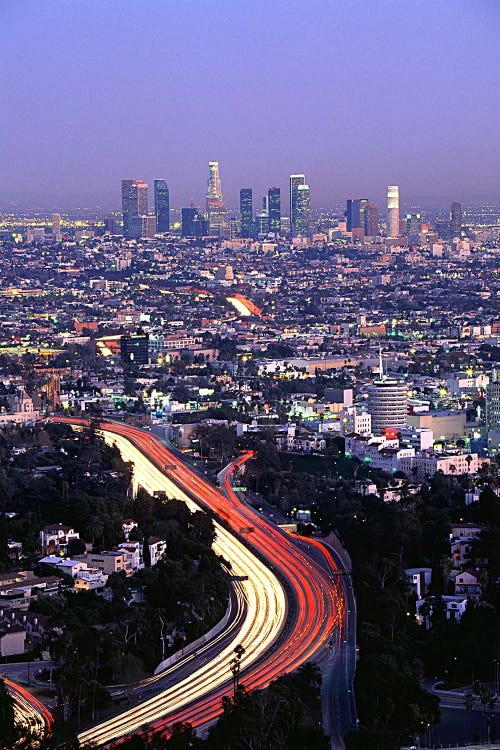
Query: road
x=30 y=714
x=293 y=604
x=338 y=657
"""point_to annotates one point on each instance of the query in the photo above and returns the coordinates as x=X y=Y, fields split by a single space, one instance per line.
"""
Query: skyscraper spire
x=381 y=365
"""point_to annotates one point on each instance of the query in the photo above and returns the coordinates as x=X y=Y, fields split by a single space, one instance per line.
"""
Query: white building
x=453 y=608
x=421 y=468
x=55 y=537
x=353 y=419
x=387 y=404
x=157 y=549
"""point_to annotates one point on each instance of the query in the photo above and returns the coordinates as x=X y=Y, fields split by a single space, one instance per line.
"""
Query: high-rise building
x=193 y=223
x=216 y=208
x=387 y=403
x=302 y=211
x=274 y=209
x=393 y=211
x=162 y=205
x=442 y=227
x=246 y=212
x=455 y=220
x=295 y=181
x=493 y=402
x=56 y=226
x=413 y=227
x=355 y=214
x=371 y=221
x=109 y=225
x=149 y=226
x=134 y=207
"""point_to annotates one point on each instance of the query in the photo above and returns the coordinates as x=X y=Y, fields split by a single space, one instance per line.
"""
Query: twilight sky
x=359 y=94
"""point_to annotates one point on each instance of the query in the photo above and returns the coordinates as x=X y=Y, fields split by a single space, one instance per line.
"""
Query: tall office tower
x=442 y=227
x=149 y=226
x=455 y=220
x=216 y=208
x=134 y=207
x=162 y=206
x=295 y=181
x=246 y=212
x=493 y=402
x=109 y=225
x=413 y=227
x=371 y=221
x=393 y=211
x=303 y=211
x=56 y=225
x=193 y=223
x=355 y=214
x=274 y=209
x=387 y=403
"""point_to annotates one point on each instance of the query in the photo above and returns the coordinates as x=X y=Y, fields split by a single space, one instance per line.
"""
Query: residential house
x=127 y=526
x=157 y=549
x=64 y=564
x=55 y=537
x=419 y=580
x=91 y=579
x=453 y=608
x=467 y=584
x=110 y=561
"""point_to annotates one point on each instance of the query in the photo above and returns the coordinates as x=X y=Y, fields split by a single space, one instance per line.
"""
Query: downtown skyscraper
x=455 y=220
x=295 y=181
x=134 y=207
x=162 y=205
x=246 y=212
x=216 y=208
x=274 y=210
x=393 y=211
x=302 y=212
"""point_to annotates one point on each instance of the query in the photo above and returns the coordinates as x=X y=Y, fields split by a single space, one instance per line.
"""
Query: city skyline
x=91 y=114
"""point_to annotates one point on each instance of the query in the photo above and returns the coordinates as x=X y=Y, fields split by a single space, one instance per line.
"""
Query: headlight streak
x=313 y=598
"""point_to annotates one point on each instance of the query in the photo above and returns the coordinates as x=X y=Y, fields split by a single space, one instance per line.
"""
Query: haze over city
x=357 y=94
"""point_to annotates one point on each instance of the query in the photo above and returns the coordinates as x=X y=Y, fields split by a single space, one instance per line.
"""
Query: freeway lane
x=316 y=607
x=30 y=714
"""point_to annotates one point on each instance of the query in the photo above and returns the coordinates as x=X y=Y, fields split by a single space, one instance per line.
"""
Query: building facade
x=393 y=211
x=162 y=205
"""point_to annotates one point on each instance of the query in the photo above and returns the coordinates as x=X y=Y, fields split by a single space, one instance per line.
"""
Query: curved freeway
x=35 y=720
x=293 y=604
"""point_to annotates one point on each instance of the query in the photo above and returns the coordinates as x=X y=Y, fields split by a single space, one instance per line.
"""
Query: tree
x=95 y=527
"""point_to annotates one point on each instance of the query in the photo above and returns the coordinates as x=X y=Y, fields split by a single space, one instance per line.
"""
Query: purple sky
x=357 y=94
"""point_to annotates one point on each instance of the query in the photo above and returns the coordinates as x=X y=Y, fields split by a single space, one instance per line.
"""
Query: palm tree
x=95 y=527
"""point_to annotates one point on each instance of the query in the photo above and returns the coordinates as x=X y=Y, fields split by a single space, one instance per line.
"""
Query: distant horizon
x=51 y=203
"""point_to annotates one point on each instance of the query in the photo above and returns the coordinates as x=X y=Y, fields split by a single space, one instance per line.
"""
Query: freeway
x=293 y=604
x=34 y=719
x=338 y=659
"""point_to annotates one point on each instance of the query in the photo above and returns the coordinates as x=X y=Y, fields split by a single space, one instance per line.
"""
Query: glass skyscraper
x=302 y=211
x=455 y=220
x=355 y=214
x=162 y=206
x=274 y=210
x=216 y=208
x=246 y=212
x=134 y=207
x=295 y=181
